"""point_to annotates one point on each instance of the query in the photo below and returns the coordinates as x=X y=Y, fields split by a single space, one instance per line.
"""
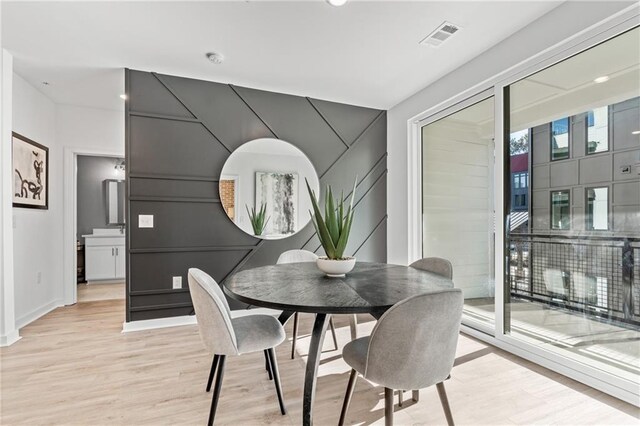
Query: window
x=560 y=139
x=598 y=209
x=560 y=215
x=520 y=180
x=598 y=130
x=520 y=200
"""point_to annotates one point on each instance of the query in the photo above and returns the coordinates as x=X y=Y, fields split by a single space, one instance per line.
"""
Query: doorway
x=94 y=234
x=100 y=221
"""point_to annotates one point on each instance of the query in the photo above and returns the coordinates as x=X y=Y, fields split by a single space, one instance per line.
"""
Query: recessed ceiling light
x=123 y=96
x=215 y=57
x=601 y=79
x=636 y=132
x=336 y=2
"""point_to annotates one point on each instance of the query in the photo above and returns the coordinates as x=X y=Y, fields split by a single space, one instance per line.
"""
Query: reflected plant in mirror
x=257 y=219
x=263 y=175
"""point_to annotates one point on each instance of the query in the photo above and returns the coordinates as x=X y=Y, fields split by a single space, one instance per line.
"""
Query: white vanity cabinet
x=104 y=257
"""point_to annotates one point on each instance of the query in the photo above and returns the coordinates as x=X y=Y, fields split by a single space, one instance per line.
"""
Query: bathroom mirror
x=114 y=190
x=263 y=191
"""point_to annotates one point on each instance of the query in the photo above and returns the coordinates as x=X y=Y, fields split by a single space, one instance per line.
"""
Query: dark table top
x=302 y=287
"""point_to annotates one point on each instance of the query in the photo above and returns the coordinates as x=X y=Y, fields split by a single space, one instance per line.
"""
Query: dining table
x=370 y=288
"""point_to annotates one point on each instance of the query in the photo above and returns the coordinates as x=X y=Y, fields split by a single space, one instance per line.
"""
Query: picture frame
x=279 y=192
x=30 y=165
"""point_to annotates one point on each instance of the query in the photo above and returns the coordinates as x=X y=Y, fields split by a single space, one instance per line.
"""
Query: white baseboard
x=10 y=338
x=128 y=327
x=30 y=317
x=99 y=282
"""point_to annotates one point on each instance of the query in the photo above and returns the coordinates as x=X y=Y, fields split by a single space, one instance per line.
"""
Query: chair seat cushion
x=355 y=353
x=257 y=332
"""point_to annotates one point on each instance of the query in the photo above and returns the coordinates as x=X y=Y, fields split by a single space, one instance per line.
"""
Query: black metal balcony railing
x=599 y=276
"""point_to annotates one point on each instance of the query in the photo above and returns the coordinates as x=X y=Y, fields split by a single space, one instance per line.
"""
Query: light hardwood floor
x=75 y=367
x=96 y=292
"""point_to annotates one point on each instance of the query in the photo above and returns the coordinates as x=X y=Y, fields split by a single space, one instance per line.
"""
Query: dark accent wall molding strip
x=179 y=133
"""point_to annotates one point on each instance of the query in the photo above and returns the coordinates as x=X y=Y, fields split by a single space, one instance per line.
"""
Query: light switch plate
x=145 y=221
x=177 y=282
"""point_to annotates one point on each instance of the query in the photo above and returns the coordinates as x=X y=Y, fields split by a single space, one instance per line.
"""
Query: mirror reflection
x=115 y=201
x=262 y=188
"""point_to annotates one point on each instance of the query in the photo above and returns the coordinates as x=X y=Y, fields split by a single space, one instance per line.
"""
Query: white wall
x=8 y=330
x=37 y=233
x=90 y=128
x=562 y=23
x=458 y=204
x=82 y=130
x=42 y=262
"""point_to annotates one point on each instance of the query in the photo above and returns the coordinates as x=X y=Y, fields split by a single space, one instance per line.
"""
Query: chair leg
x=333 y=333
x=415 y=395
x=267 y=364
x=388 y=407
x=445 y=403
x=212 y=373
x=276 y=379
x=353 y=326
x=400 y=397
x=216 y=389
x=347 y=396
x=295 y=335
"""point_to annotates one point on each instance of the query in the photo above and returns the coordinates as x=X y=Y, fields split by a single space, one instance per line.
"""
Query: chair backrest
x=413 y=345
x=437 y=265
x=213 y=314
x=296 y=256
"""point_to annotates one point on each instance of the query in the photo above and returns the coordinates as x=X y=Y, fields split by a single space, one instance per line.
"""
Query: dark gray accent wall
x=179 y=133
x=91 y=196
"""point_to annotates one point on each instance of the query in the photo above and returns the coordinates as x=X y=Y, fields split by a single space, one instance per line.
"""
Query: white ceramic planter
x=335 y=268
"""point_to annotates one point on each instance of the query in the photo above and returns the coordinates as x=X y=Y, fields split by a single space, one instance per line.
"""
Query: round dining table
x=370 y=288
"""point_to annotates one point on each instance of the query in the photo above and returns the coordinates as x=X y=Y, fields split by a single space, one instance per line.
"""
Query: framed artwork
x=279 y=191
x=30 y=162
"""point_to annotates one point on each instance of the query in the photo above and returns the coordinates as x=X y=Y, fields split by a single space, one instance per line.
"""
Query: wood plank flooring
x=100 y=291
x=75 y=367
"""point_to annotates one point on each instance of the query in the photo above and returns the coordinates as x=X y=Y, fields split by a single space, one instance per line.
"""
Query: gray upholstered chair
x=223 y=335
x=412 y=346
x=437 y=265
x=299 y=256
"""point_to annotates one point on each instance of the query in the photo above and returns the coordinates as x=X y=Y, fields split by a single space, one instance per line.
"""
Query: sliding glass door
x=573 y=191
x=458 y=203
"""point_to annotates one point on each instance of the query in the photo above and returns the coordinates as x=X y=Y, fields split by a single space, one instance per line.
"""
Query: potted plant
x=333 y=231
x=257 y=219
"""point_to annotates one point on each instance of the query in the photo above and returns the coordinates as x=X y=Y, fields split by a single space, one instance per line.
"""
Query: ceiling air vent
x=440 y=35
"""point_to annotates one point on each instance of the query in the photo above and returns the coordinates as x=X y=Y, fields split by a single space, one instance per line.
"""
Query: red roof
x=520 y=163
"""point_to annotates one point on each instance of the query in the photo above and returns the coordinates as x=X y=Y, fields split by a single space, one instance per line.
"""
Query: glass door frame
x=498 y=87
x=466 y=103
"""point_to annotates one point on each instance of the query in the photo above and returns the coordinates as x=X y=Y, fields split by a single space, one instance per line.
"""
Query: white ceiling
x=364 y=53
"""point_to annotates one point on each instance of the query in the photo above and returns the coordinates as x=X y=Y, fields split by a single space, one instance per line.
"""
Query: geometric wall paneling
x=375 y=245
x=174 y=148
x=360 y=158
x=147 y=94
x=347 y=120
x=294 y=120
x=153 y=271
x=220 y=110
x=149 y=188
x=175 y=159
x=185 y=224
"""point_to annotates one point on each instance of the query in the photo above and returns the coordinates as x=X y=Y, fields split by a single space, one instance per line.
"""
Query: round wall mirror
x=263 y=191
